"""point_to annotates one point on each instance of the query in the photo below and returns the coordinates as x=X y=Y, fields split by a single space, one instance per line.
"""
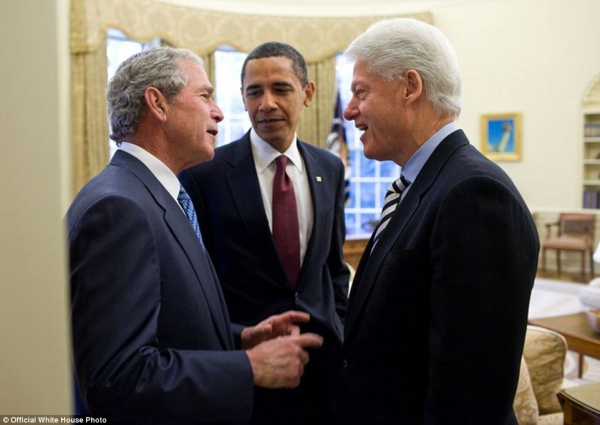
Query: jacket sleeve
x=484 y=258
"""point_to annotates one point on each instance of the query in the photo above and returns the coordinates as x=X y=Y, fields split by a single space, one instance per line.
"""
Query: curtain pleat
x=89 y=117
x=315 y=122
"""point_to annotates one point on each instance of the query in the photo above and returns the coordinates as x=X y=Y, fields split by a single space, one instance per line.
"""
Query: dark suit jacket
x=226 y=194
x=151 y=334
x=438 y=310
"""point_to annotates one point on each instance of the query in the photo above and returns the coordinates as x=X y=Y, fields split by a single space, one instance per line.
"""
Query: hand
x=275 y=326
x=279 y=363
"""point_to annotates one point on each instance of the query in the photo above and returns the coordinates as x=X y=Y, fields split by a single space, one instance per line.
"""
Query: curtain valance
x=203 y=31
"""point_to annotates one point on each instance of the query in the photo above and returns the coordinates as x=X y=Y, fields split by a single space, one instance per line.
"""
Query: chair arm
x=549 y=228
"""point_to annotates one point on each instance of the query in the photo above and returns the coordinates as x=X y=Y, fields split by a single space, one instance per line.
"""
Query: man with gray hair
x=152 y=341
x=437 y=315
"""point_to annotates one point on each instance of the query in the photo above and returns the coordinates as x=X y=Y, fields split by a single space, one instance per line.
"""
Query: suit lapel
x=319 y=193
x=371 y=261
x=245 y=188
x=183 y=232
x=203 y=268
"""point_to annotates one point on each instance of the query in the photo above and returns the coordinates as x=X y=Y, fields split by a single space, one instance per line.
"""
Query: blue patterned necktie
x=392 y=199
x=188 y=207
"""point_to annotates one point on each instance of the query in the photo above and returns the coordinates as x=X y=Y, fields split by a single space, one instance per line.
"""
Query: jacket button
x=296 y=296
x=344 y=364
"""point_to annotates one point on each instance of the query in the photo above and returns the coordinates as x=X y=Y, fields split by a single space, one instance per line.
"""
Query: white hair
x=392 y=47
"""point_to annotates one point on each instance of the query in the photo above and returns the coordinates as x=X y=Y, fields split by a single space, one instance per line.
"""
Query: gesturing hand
x=273 y=327
x=279 y=363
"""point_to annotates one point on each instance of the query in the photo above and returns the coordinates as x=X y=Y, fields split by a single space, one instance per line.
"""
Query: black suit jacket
x=151 y=335
x=227 y=197
x=438 y=310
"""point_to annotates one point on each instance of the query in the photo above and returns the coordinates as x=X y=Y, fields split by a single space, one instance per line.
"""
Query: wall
x=535 y=57
x=35 y=377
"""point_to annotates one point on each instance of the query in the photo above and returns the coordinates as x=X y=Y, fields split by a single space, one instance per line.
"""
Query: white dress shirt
x=264 y=161
x=163 y=173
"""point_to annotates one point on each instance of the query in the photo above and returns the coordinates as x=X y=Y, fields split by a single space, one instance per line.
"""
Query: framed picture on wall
x=501 y=136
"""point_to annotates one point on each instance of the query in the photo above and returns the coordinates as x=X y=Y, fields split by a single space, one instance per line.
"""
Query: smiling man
x=152 y=341
x=438 y=310
x=264 y=271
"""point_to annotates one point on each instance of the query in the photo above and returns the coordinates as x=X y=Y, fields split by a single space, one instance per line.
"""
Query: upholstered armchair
x=541 y=378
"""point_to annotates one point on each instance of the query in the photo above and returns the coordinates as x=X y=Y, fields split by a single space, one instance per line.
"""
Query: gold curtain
x=201 y=31
x=315 y=121
x=89 y=120
x=209 y=66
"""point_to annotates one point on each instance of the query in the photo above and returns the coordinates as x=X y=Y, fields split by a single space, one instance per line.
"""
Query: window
x=119 y=48
x=228 y=69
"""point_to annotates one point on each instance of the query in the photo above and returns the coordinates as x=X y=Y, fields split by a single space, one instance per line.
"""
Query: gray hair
x=159 y=67
x=392 y=47
x=276 y=49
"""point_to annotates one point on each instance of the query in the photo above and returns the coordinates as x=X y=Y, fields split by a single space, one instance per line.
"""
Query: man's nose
x=268 y=101
x=351 y=111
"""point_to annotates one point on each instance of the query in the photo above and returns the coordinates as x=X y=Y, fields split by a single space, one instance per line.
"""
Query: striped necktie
x=392 y=199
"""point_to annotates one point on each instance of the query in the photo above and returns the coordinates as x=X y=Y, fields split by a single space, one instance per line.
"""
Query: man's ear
x=309 y=92
x=157 y=103
x=413 y=84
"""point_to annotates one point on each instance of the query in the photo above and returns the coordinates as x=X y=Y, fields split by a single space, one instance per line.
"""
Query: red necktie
x=285 y=221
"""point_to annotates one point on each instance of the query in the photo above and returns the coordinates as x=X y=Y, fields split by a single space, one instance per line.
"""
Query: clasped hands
x=277 y=350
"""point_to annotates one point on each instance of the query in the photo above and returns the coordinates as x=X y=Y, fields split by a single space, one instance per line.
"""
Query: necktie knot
x=399 y=185
x=281 y=162
x=188 y=208
x=391 y=201
x=184 y=200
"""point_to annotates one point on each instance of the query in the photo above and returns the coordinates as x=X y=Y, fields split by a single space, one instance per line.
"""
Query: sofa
x=541 y=378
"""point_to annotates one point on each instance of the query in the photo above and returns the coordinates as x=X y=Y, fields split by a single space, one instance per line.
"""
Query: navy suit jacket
x=151 y=335
x=227 y=197
x=438 y=310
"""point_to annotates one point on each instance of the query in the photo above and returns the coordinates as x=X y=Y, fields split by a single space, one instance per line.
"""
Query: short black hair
x=276 y=49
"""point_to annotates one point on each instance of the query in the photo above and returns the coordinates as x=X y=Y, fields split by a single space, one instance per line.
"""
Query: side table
x=581 y=404
x=580 y=336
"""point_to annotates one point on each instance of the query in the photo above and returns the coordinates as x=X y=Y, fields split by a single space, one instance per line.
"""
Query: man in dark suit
x=234 y=197
x=152 y=339
x=438 y=309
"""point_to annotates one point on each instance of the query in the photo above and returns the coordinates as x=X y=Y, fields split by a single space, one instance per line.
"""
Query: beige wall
x=536 y=57
x=35 y=373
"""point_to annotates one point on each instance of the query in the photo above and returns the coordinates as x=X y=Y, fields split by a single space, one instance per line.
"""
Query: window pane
x=389 y=169
x=228 y=69
x=367 y=195
x=119 y=48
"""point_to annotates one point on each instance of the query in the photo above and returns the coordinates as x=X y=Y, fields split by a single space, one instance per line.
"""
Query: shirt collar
x=414 y=164
x=264 y=154
x=163 y=173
